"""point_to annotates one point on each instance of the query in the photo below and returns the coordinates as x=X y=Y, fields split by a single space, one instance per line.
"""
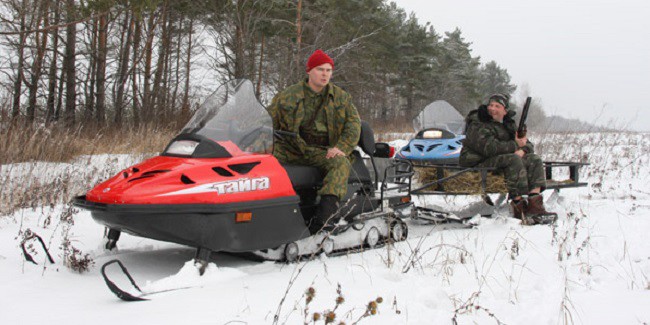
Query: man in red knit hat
x=327 y=128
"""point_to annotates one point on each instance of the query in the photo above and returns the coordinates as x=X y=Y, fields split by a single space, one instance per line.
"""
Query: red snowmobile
x=218 y=188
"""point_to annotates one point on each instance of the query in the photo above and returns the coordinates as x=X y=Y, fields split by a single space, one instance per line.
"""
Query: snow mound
x=188 y=276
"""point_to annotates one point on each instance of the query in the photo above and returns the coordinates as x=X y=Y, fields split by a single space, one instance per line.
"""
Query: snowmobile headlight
x=432 y=134
x=182 y=147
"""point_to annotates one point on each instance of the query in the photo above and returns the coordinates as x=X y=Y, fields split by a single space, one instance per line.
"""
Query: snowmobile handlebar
x=286 y=136
x=280 y=134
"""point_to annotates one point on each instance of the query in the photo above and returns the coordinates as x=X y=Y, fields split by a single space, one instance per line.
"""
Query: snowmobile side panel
x=212 y=226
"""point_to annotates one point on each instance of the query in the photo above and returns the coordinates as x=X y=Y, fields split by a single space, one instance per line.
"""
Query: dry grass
x=29 y=181
x=33 y=143
x=466 y=183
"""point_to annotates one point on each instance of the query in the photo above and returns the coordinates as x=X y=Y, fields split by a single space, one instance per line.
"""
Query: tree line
x=132 y=62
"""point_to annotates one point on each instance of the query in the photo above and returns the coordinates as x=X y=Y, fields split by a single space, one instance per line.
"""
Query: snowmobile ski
x=115 y=289
x=124 y=295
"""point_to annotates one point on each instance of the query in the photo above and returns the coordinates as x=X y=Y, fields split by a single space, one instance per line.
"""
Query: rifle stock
x=522 y=130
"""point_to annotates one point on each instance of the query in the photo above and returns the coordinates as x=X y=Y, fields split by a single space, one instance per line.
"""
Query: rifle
x=521 y=131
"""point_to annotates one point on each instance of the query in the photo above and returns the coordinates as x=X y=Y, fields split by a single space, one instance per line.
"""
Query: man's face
x=320 y=76
x=497 y=111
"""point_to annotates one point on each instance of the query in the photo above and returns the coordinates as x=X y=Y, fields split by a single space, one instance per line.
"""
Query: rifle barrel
x=524 y=115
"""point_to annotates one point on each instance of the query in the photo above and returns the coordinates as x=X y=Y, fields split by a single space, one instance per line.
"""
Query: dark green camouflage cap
x=502 y=99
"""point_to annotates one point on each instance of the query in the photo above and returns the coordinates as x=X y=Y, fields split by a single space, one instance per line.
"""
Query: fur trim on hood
x=481 y=113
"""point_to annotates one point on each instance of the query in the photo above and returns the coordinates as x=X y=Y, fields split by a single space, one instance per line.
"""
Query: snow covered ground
x=593 y=267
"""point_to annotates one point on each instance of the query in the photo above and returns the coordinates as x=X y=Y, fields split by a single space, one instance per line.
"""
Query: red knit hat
x=317 y=58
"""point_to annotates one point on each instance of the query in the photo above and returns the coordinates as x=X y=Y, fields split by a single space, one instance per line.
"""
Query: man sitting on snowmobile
x=491 y=141
x=327 y=129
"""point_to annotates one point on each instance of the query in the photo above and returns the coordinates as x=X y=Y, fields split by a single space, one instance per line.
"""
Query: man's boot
x=536 y=214
x=326 y=214
x=518 y=208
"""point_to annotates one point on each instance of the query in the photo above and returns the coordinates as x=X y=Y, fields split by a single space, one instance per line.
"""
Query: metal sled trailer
x=445 y=175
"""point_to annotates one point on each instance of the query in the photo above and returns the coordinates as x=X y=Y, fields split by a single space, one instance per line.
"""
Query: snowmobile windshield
x=441 y=115
x=233 y=114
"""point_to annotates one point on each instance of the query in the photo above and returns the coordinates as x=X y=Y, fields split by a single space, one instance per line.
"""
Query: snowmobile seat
x=367 y=139
x=359 y=172
x=307 y=177
x=303 y=177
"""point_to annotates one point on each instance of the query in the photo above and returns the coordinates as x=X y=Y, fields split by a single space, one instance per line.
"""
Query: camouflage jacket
x=343 y=123
x=485 y=137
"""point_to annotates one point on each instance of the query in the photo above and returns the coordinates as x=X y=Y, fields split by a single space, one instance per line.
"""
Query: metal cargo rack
x=437 y=187
x=397 y=178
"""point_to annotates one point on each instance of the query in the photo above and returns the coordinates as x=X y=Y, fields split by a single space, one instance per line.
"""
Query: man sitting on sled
x=491 y=141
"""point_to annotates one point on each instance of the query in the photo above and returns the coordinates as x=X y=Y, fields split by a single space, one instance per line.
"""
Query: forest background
x=141 y=67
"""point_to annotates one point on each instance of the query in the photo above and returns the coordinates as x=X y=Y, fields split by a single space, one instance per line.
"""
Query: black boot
x=326 y=214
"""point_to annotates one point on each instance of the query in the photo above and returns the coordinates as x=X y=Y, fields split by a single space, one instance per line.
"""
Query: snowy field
x=592 y=267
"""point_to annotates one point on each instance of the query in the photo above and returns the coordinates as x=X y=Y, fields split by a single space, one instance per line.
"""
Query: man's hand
x=333 y=152
x=520 y=153
x=521 y=141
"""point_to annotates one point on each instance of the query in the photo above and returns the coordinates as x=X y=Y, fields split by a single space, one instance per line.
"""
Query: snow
x=592 y=267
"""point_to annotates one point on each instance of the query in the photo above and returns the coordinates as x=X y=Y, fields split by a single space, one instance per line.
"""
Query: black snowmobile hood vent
x=433 y=146
x=140 y=177
x=149 y=174
x=154 y=172
x=187 y=180
x=222 y=171
x=243 y=169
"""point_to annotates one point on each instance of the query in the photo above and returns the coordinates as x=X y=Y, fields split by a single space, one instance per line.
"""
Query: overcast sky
x=586 y=59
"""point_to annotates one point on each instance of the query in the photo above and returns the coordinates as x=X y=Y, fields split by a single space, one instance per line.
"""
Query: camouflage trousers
x=335 y=170
x=521 y=174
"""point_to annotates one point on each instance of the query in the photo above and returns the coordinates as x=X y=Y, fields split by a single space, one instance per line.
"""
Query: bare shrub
x=330 y=316
x=470 y=306
x=73 y=258
x=29 y=249
x=619 y=153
